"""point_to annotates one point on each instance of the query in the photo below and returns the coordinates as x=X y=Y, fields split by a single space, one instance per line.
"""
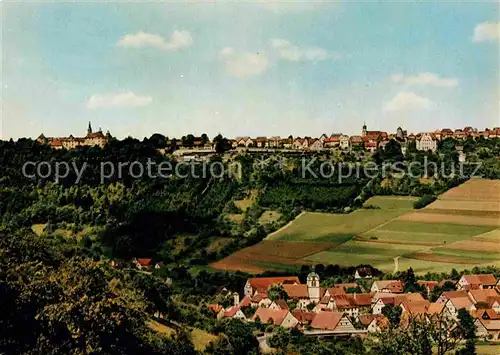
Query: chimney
x=236 y=298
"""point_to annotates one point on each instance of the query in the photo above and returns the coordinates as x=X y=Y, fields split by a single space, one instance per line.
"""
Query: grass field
x=312 y=226
x=459 y=230
x=269 y=217
x=391 y=202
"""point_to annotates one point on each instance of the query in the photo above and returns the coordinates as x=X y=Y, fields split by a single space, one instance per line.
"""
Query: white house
x=427 y=141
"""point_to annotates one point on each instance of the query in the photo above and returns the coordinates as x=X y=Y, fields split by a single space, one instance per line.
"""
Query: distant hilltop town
x=90 y=140
x=368 y=140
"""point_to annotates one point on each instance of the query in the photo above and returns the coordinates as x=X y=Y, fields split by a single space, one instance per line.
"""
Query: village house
x=260 y=142
x=468 y=282
x=485 y=298
x=454 y=304
x=392 y=286
x=315 y=144
x=146 y=264
x=426 y=142
x=356 y=141
x=261 y=284
x=333 y=141
x=373 y=323
x=304 y=317
x=334 y=321
x=487 y=325
x=279 y=305
x=344 y=142
x=281 y=317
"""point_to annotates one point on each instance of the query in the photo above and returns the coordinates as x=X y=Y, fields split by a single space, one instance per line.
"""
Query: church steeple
x=363 y=132
x=89 y=130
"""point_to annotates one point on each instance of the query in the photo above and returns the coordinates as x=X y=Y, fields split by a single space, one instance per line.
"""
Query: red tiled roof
x=303 y=316
x=485 y=280
x=366 y=319
x=267 y=314
x=356 y=139
x=282 y=304
x=262 y=283
x=245 y=302
x=484 y=295
x=144 y=262
x=259 y=297
x=435 y=308
x=395 y=286
x=231 y=311
x=454 y=294
x=296 y=291
x=362 y=299
x=490 y=325
x=486 y=314
x=461 y=302
x=326 y=320
x=332 y=291
x=216 y=308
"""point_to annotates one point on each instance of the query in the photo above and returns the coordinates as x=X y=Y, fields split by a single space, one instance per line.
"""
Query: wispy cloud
x=408 y=101
x=244 y=64
x=425 y=79
x=178 y=40
x=486 y=31
x=118 y=100
x=289 y=51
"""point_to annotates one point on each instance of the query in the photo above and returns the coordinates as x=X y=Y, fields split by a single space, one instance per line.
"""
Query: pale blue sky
x=248 y=69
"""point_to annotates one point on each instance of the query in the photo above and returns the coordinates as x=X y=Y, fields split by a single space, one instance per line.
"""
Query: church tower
x=363 y=132
x=89 y=130
x=313 y=286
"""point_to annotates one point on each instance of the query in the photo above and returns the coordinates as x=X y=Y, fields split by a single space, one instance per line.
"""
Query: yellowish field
x=200 y=338
x=421 y=216
x=248 y=201
x=269 y=217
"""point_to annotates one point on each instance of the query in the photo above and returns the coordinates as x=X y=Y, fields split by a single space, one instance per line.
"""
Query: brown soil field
x=443 y=259
x=475 y=245
x=286 y=253
x=294 y=250
x=234 y=264
x=475 y=190
x=472 y=213
x=450 y=218
x=470 y=205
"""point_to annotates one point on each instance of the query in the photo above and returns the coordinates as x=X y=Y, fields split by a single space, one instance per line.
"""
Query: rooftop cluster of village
x=368 y=140
x=348 y=309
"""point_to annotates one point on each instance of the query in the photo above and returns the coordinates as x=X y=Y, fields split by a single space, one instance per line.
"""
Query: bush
x=423 y=201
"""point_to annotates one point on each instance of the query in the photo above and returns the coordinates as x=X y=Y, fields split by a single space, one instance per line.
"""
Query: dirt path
x=285 y=226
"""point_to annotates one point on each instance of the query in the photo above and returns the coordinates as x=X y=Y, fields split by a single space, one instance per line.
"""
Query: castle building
x=90 y=140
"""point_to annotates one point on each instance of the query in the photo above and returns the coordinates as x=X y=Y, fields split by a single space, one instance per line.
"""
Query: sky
x=248 y=68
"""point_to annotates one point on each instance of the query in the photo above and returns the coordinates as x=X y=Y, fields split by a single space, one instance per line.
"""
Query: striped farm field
x=475 y=244
x=459 y=230
x=470 y=205
x=311 y=226
x=493 y=236
x=423 y=216
x=474 y=190
x=277 y=252
x=401 y=230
